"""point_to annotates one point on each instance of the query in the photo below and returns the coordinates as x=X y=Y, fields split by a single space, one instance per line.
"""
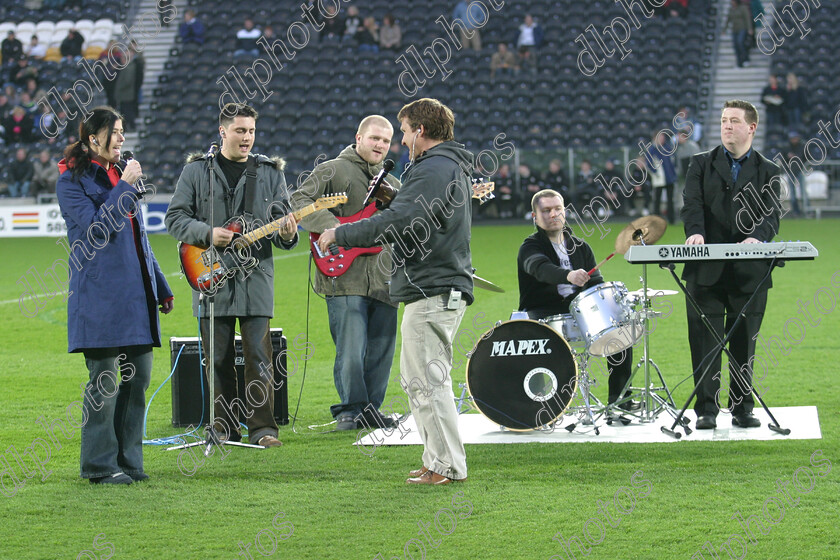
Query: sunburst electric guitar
x=338 y=260
x=208 y=269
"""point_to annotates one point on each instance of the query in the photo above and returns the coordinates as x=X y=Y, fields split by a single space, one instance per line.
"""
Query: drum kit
x=526 y=374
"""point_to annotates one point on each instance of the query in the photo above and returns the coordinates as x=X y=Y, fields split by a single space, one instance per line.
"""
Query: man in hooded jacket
x=428 y=223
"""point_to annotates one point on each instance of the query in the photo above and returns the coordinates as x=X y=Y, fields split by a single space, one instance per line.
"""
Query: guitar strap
x=250 y=185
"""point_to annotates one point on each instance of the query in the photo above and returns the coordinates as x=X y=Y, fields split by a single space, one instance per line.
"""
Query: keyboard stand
x=721 y=344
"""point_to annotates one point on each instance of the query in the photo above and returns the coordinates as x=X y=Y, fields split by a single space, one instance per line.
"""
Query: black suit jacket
x=723 y=212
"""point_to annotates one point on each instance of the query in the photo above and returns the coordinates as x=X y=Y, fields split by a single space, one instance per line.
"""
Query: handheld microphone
x=139 y=185
x=214 y=149
x=387 y=166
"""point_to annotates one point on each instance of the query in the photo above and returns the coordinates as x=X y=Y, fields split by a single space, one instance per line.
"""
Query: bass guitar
x=338 y=260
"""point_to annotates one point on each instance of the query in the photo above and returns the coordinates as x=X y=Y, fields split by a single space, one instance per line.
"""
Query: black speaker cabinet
x=187 y=400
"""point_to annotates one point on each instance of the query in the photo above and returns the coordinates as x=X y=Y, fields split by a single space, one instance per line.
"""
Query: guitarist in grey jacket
x=249 y=294
x=362 y=317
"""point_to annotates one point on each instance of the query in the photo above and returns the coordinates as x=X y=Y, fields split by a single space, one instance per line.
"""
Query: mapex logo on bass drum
x=520 y=347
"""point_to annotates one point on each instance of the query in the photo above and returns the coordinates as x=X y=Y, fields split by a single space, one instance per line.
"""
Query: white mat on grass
x=802 y=421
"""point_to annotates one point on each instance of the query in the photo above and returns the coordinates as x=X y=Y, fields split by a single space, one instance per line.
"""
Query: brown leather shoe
x=418 y=472
x=269 y=441
x=432 y=478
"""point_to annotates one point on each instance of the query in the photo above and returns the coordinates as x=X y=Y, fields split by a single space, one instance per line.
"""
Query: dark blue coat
x=109 y=304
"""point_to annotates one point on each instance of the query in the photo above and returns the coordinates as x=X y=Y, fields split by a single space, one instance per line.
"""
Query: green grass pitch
x=337 y=502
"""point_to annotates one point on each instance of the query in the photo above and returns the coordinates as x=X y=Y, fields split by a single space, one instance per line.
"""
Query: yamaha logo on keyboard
x=663 y=252
x=687 y=251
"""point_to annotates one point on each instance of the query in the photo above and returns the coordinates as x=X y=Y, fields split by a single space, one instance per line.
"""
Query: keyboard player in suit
x=732 y=195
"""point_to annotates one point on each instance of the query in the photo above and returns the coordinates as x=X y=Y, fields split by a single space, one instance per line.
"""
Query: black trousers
x=257 y=404
x=721 y=305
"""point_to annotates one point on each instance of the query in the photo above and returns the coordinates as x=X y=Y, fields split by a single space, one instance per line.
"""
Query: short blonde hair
x=545 y=193
x=377 y=120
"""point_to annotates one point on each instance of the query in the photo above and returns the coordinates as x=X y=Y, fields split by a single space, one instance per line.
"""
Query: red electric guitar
x=226 y=261
x=338 y=260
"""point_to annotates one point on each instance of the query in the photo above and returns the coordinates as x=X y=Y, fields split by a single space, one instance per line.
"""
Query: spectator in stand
x=71 y=47
x=367 y=36
x=676 y=8
x=246 y=39
x=530 y=34
x=665 y=175
x=470 y=16
x=28 y=103
x=642 y=189
x=35 y=49
x=20 y=174
x=23 y=72
x=688 y=117
x=400 y=157
x=10 y=51
x=503 y=61
x=12 y=95
x=773 y=97
x=686 y=147
x=390 y=35
x=333 y=29
x=112 y=59
x=191 y=29
x=555 y=178
x=528 y=186
x=796 y=101
x=797 y=184
x=740 y=20
x=615 y=198
x=18 y=126
x=45 y=121
x=506 y=196
x=352 y=24
x=127 y=88
x=5 y=109
x=44 y=176
x=33 y=90
x=585 y=187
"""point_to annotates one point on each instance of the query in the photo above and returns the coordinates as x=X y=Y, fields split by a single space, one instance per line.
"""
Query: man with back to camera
x=429 y=224
x=714 y=212
x=248 y=295
x=362 y=317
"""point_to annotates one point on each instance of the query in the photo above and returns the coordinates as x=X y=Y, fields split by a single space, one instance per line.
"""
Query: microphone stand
x=211 y=436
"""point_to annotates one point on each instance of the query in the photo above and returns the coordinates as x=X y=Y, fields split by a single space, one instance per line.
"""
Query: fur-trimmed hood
x=278 y=162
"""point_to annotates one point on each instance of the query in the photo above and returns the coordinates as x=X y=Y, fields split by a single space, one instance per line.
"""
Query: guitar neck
x=271 y=227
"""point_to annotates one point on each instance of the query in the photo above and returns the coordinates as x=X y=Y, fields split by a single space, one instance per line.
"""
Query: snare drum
x=606 y=320
x=522 y=375
x=566 y=326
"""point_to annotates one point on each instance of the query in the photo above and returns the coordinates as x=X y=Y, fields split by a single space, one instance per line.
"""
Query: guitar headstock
x=482 y=190
x=330 y=201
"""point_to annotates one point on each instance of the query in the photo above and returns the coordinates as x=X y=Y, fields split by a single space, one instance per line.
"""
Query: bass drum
x=522 y=375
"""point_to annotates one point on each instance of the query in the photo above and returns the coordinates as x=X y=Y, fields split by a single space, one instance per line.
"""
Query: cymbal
x=653 y=293
x=650 y=228
x=480 y=282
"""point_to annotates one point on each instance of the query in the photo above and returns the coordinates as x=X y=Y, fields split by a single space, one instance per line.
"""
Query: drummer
x=552 y=266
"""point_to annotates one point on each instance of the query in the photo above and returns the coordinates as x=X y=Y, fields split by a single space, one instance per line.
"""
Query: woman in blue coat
x=115 y=289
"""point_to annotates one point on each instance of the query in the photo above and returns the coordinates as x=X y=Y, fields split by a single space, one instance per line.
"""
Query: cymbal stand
x=652 y=403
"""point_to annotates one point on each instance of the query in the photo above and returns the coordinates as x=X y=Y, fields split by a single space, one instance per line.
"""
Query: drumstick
x=597 y=266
